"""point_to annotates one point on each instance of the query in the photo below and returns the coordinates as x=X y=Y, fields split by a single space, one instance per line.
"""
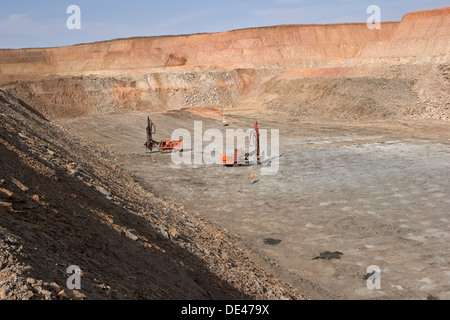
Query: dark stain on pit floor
x=271 y=241
x=368 y=275
x=329 y=255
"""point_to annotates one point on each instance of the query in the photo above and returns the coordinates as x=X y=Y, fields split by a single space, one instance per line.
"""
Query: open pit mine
x=358 y=207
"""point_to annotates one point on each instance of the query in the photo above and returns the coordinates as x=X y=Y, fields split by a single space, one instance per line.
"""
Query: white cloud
x=20 y=30
x=277 y=12
x=17 y=17
x=290 y=1
x=179 y=20
x=15 y=23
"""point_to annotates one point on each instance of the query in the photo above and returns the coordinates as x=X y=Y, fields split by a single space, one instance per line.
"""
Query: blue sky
x=30 y=23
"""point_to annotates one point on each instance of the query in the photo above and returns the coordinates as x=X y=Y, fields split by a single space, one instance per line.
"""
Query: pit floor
x=376 y=191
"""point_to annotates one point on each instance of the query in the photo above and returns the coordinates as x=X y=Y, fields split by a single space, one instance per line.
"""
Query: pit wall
x=337 y=70
x=418 y=37
x=392 y=91
x=66 y=97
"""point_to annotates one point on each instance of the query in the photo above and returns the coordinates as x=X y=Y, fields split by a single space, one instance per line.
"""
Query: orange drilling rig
x=240 y=157
x=163 y=146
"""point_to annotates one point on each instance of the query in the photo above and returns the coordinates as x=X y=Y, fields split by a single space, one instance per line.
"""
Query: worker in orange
x=252 y=177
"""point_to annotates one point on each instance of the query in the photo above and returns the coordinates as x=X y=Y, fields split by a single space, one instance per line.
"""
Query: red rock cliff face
x=259 y=47
x=249 y=66
x=418 y=34
x=423 y=35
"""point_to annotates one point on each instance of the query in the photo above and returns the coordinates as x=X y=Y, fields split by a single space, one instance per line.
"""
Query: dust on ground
x=371 y=193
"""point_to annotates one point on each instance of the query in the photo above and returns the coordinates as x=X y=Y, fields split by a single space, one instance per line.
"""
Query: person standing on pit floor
x=252 y=177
